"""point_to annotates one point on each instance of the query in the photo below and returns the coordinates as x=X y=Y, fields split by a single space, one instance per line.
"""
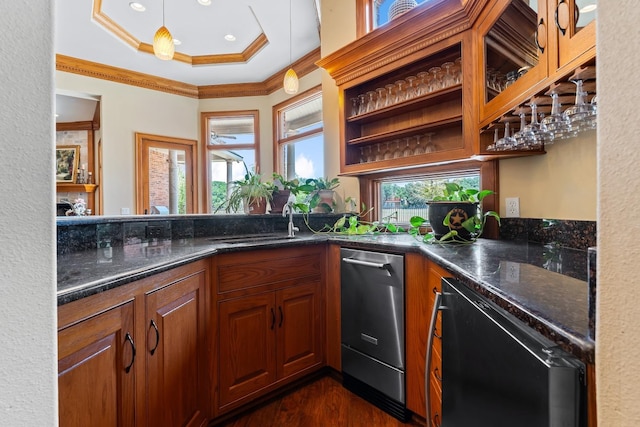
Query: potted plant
x=249 y=194
x=456 y=216
x=283 y=189
x=322 y=193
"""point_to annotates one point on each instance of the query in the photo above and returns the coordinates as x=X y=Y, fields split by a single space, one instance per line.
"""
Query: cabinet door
x=300 y=328
x=247 y=346
x=176 y=354
x=96 y=370
x=575 y=22
x=423 y=281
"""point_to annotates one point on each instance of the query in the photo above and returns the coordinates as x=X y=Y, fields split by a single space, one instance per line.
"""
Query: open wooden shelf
x=403 y=133
x=76 y=188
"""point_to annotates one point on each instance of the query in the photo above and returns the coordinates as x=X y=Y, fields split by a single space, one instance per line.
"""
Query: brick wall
x=158 y=178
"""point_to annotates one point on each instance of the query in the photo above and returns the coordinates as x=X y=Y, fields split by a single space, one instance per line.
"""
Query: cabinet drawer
x=435 y=371
x=435 y=406
x=258 y=268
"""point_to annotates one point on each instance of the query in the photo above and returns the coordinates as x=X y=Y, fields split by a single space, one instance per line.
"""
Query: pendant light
x=290 y=78
x=163 y=46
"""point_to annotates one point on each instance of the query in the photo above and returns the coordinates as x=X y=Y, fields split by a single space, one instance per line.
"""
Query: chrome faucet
x=291 y=229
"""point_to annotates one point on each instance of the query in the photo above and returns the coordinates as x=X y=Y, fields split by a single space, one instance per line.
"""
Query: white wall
x=126 y=110
x=28 y=353
x=618 y=331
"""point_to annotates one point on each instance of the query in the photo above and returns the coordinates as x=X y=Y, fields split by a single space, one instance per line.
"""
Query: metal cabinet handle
x=281 y=316
x=128 y=338
x=436 y=373
x=563 y=26
x=366 y=263
x=432 y=325
x=435 y=333
x=154 y=326
x=541 y=35
x=436 y=420
x=273 y=318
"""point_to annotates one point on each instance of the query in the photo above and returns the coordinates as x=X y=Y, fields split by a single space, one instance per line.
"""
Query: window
x=299 y=141
x=165 y=175
x=372 y=14
x=402 y=198
x=403 y=194
x=231 y=147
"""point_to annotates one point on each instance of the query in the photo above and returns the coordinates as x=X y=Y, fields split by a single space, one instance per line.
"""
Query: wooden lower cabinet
x=177 y=353
x=96 y=370
x=422 y=283
x=271 y=332
x=114 y=369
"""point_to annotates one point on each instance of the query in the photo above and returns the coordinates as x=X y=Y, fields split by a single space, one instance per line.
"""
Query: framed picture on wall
x=67 y=157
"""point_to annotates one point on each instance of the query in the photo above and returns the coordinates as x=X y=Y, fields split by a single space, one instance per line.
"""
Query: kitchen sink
x=248 y=238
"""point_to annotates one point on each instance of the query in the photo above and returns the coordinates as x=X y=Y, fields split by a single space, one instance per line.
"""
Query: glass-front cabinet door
x=514 y=48
x=575 y=22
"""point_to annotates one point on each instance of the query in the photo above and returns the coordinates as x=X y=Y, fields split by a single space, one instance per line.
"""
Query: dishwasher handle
x=380 y=265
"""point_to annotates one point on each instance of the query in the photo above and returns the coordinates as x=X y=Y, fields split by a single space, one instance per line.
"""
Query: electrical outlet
x=513 y=207
x=124 y=211
x=512 y=272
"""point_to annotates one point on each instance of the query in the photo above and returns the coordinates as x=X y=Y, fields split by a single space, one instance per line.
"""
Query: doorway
x=165 y=175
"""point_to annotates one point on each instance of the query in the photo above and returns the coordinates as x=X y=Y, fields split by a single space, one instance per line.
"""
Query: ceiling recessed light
x=177 y=42
x=230 y=38
x=204 y=2
x=137 y=6
x=589 y=8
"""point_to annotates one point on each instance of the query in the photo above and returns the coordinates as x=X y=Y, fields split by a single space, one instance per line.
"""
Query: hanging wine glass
x=524 y=137
x=397 y=153
x=363 y=158
x=370 y=155
x=542 y=134
x=558 y=122
x=419 y=148
x=492 y=147
x=507 y=142
x=582 y=115
x=388 y=155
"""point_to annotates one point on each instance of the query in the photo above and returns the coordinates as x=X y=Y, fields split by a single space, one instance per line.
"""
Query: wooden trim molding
x=406 y=35
x=303 y=66
x=120 y=75
x=119 y=31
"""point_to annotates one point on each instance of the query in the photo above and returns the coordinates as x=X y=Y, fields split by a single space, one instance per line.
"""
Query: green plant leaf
x=340 y=223
x=450 y=235
x=484 y=193
x=417 y=221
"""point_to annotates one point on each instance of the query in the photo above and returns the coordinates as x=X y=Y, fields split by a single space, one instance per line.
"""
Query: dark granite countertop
x=544 y=286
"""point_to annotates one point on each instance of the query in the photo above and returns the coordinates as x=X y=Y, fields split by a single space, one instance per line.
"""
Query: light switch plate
x=513 y=207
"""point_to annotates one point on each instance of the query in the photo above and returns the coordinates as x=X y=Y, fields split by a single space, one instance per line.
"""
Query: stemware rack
x=566 y=90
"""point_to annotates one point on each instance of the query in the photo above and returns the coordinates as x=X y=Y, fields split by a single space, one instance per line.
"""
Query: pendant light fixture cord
x=290 y=35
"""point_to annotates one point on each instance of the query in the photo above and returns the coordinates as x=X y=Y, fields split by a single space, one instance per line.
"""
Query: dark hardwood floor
x=322 y=403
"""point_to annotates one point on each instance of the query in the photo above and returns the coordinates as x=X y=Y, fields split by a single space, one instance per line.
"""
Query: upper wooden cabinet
x=526 y=46
x=404 y=56
x=574 y=26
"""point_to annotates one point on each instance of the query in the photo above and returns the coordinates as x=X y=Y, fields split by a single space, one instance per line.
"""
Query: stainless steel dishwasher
x=372 y=304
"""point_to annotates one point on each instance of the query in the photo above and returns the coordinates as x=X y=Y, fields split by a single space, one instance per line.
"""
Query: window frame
x=207 y=148
x=277 y=112
x=370 y=186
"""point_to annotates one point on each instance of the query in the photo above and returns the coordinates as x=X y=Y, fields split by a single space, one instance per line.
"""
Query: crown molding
x=303 y=66
x=117 y=30
x=120 y=75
